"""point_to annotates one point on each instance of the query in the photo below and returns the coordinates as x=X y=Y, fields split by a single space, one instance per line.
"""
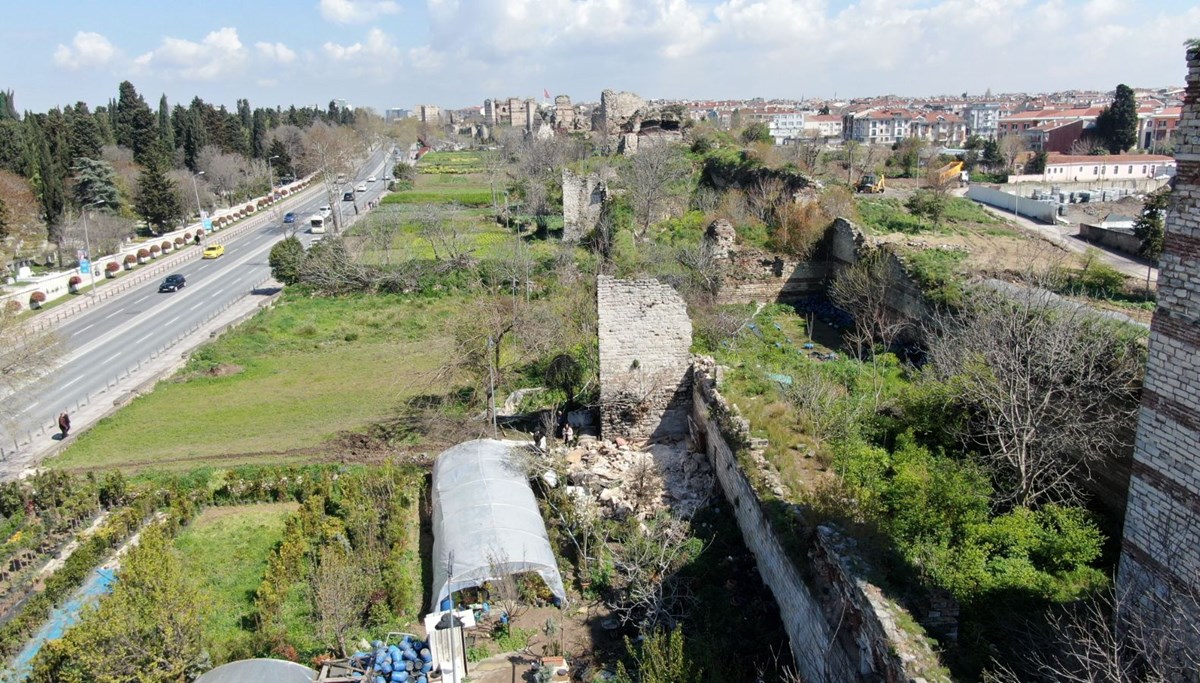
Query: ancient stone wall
x=583 y=201
x=645 y=363
x=1161 y=544
x=841 y=627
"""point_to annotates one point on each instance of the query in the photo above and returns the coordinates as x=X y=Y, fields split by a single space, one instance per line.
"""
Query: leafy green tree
x=165 y=130
x=991 y=154
x=94 y=181
x=147 y=629
x=12 y=145
x=285 y=259
x=908 y=155
x=283 y=160
x=757 y=132
x=1149 y=226
x=8 y=110
x=45 y=176
x=85 y=137
x=136 y=126
x=660 y=658
x=1117 y=123
x=928 y=204
x=157 y=198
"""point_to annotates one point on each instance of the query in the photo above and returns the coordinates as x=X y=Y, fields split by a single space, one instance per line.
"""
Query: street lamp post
x=270 y=172
x=87 y=244
x=196 y=190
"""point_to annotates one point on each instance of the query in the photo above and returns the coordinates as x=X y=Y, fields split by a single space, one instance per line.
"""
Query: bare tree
x=765 y=196
x=648 y=591
x=862 y=290
x=655 y=180
x=505 y=584
x=441 y=226
x=806 y=154
x=106 y=232
x=25 y=355
x=226 y=173
x=331 y=151
x=705 y=270
x=339 y=591
x=1011 y=148
x=1050 y=387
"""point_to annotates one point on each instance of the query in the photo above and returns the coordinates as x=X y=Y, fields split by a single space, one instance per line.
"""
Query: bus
x=317 y=224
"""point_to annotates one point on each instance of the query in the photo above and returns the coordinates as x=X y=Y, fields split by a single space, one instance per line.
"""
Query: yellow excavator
x=870 y=183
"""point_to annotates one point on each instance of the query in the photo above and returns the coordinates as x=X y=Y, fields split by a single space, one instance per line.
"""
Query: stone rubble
x=629 y=481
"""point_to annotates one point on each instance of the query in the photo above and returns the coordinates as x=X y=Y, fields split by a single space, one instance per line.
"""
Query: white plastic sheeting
x=486 y=521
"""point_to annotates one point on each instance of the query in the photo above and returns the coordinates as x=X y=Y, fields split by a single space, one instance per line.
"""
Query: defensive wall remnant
x=1160 y=549
x=583 y=203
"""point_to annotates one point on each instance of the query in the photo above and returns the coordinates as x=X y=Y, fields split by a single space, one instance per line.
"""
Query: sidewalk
x=133 y=383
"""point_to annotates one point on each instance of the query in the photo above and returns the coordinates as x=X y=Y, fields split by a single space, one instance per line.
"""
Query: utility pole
x=87 y=244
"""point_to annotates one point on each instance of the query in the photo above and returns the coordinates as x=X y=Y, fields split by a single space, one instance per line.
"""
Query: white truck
x=317 y=224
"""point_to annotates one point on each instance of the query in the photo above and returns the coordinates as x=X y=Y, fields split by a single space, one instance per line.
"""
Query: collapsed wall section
x=645 y=359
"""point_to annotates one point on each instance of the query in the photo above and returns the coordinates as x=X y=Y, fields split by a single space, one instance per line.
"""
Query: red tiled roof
x=1056 y=158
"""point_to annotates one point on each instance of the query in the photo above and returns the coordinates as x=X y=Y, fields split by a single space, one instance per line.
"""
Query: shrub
x=130 y=259
x=37 y=297
x=112 y=267
x=187 y=237
x=249 y=208
x=143 y=253
x=75 y=281
x=166 y=245
x=154 y=249
x=12 y=306
x=178 y=242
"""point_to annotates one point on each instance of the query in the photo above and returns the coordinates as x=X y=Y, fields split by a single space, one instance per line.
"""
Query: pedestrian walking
x=64 y=424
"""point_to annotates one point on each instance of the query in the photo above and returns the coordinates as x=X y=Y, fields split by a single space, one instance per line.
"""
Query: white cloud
x=357 y=11
x=219 y=54
x=379 y=46
x=87 y=50
x=276 y=52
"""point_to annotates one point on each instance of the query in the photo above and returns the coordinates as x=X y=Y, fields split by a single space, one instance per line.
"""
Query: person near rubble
x=64 y=424
x=569 y=435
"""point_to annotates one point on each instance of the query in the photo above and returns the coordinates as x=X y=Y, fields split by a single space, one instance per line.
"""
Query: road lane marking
x=172 y=320
x=142 y=339
x=87 y=328
x=72 y=382
x=198 y=304
x=111 y=357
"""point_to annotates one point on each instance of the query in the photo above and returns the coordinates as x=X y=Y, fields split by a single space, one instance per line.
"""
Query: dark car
x=348 y=197
x=173 y=283
x=289 y=217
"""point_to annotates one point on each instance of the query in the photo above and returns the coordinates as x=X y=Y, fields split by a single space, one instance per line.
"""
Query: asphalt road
x=107 y=341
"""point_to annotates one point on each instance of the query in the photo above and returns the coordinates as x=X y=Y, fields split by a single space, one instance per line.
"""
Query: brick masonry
x=645 y=359
x=1161 y=543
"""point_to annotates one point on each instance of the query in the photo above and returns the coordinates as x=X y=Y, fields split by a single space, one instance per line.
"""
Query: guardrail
x=98 y=295
x=162 y=349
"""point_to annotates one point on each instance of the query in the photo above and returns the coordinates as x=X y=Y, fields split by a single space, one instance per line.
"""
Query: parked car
x=289 y=217
x=214 y=251
x=173 y=283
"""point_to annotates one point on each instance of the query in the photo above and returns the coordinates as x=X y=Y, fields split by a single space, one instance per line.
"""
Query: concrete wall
x=645 y=359
x=583 y=202
x=1030 y=183
x=1161 y=544
x=1117 y=239
x=841 y=628
x=1043 y=211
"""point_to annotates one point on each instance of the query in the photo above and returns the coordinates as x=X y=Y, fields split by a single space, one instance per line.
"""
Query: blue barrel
x=399 y=676
x=447 y=603
x=422 y=679
x=426 y=655
x=409 y=665
x=409 y=653
x=426 y=667
x=386 y=667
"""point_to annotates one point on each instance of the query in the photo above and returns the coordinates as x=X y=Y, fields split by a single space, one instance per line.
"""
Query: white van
x=317 y=224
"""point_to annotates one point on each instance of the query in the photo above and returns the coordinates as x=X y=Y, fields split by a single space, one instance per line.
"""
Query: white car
x=325 y=211
x=362 y=187
x=371 y=179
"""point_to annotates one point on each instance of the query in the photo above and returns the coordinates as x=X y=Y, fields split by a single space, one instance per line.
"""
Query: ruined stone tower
x=1160 y=550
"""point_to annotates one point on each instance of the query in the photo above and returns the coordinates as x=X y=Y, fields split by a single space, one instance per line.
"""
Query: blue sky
x=387 y=53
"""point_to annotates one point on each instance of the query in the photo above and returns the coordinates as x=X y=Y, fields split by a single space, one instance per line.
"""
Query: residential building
x=1156 y=128
x=1055 y=136
x=823 y=126
x=983 y=119
x=939 y=127
x=786 y=125
x=395 y=114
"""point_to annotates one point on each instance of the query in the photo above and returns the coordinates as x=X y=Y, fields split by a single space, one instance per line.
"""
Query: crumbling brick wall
x=645 y=359
x=1161 y=543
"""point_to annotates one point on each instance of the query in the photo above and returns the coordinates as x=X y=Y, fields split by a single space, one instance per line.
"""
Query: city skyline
x=395 y=53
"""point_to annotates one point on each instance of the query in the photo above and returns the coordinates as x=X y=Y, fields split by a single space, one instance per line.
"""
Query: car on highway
x=325 y=211
x=348 y=197
x=362 y=187
x=214 y=251
x=173 y=283
x=371 y=179
x=289 y=217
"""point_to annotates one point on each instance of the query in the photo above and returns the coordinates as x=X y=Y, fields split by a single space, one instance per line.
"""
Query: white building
x=786 y=125
x=1071 y=168
x=983 y=119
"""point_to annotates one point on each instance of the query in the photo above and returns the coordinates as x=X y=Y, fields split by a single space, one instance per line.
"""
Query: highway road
x=109 y=340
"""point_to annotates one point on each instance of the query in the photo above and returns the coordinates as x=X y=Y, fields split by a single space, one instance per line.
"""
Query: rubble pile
x=628 y=481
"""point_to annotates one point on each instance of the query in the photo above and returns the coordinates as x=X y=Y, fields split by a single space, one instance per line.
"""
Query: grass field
x=451 y=163
x=467 y=189
x=285 y=381
x=225 y=552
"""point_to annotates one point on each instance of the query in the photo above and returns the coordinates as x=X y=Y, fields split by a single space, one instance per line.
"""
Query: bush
x=166 y=245
x=37 y=297
x=143 y=253
x=249 y=208
x=112 y=267
x=130 y=259
x=179 y=242
x=12 y=306
x=154 y=250
x=187 y=237
x=75 y=281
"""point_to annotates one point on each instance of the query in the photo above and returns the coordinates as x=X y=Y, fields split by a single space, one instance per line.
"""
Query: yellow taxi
x=213 y=251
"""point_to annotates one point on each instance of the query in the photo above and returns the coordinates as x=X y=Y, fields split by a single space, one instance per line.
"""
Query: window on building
x=1143 y=170
x=1114 y=170
x=1095 y=170
x=1130 y=170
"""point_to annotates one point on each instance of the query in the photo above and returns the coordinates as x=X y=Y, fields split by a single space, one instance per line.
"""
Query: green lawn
x=287 y=380
x=225 y=552
x=466 y=189
x=451 y=162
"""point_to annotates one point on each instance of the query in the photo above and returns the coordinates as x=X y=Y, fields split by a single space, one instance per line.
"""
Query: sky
x=456 y=53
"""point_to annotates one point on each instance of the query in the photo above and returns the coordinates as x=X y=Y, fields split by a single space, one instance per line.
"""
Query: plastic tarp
x=259 y=670
x=486 y=522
